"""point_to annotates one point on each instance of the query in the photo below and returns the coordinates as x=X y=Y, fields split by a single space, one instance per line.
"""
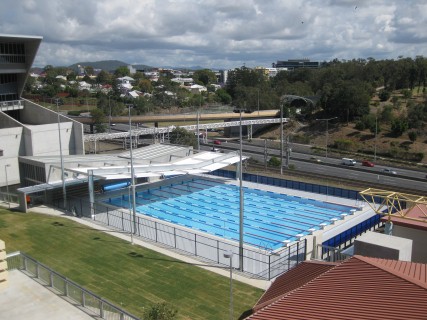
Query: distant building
x=296 y=63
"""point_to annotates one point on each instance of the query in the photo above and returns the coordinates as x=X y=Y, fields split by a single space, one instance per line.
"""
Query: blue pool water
x=213 y=207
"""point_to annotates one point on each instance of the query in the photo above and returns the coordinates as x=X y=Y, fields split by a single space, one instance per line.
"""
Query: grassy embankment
x=129 y=276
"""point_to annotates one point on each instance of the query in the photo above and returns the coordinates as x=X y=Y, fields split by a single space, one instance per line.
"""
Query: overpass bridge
x=160 y=133
x=185 y=117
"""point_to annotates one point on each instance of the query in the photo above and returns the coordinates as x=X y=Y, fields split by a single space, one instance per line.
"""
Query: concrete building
x=28 y=129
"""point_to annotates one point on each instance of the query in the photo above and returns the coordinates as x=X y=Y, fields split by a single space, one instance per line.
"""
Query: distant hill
x=108 y=65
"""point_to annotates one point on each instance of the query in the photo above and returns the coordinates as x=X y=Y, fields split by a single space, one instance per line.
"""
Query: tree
x=348 y=100
x=103 y=77
x=160 y=311
x=223 y=96
x=204 y=76
x=183 y=137
x=384 y=95
x=398 y=127
x=98 y=120
x=122 y=71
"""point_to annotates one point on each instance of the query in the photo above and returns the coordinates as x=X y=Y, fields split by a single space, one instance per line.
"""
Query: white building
x=28 y=129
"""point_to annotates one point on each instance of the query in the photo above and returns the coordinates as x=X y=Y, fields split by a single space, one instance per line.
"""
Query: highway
x=404 y=179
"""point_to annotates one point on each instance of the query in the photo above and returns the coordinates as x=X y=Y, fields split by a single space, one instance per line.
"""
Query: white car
x=388 y=170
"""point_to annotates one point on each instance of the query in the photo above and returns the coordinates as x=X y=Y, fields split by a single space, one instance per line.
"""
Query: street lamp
x=241 y=216
x=229 y=255
x=109 y=119
x=327 y=121
x=376 y=132
x=7 y=184
x=132 y=172
x=64 y=190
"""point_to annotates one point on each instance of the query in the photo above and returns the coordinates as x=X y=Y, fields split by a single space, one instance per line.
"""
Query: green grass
x=129 y=276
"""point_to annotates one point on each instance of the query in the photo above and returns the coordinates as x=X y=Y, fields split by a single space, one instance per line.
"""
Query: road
x=405 y=178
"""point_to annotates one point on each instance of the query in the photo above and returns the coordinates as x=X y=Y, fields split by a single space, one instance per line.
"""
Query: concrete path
x=24 y=298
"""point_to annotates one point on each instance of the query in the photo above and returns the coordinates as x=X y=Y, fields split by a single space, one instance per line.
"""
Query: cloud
x=218 y=33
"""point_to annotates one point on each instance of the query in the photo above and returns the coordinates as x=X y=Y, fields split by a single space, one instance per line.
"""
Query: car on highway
x=315 y=159
x=367 y=163
x=217 y=142
x=388 y=170
x=215 y=149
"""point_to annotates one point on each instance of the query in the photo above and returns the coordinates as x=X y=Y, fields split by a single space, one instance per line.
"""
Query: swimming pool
x=213 y=207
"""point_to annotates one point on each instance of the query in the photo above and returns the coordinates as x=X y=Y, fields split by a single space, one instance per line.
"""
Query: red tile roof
x=417 y=212
x=293 y=279
x=358 y=288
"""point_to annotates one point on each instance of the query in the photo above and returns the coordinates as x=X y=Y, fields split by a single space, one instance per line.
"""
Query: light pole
x=258 y=100
x=327 y=121
x=7 y=184
x=241 y=215
x=281 y=138
x=109 y=119
x=64 y=190
x=229 y=255
x=132 y=173
x=376 y=132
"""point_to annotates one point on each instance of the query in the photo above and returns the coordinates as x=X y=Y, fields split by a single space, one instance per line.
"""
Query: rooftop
x=358 y=288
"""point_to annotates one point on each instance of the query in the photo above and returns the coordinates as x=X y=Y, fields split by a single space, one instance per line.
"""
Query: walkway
x=25 y=298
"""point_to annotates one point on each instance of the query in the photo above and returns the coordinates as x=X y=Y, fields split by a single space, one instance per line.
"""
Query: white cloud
x=218 y=33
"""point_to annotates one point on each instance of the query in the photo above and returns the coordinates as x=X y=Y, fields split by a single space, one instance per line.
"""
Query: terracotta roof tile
x=358 y=288
x=291 y=280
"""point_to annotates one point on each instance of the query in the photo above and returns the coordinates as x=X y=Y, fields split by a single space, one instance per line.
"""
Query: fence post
x=101 y=309
x=195 y=244
x=108 y=217
x=51 y=279
x=217 y=251
x=123 y=226
x=83 y=299
x=174 y=236
x=66 y=287
x=269 y=267
x=155 y=229
x=37 y=270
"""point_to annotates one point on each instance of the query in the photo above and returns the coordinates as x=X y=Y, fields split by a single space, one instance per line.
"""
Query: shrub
x=160 y=311
x=274 y=162
x=412 y=135
x=74 y=113
x=384 y=95
x=343 y=144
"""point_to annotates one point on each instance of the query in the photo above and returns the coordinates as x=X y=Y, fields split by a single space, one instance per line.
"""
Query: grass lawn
x=129 y=276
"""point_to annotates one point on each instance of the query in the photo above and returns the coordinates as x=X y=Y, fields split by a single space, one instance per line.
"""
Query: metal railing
x=90 y=302
x=330 y=254
x=259 y=261
x=9 y=197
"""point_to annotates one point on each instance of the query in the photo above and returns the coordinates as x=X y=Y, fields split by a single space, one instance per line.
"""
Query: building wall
x=43 y=140
x=419 y=238
x=11 y=142
x=35 y=114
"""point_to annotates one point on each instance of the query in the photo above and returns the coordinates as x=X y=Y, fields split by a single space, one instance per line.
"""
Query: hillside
x=108 y=65
x=346 y=138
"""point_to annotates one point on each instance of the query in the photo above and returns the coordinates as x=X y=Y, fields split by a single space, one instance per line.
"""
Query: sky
x=216 y=34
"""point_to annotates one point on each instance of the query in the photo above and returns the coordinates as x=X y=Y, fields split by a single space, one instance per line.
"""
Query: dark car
x=367 y=163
